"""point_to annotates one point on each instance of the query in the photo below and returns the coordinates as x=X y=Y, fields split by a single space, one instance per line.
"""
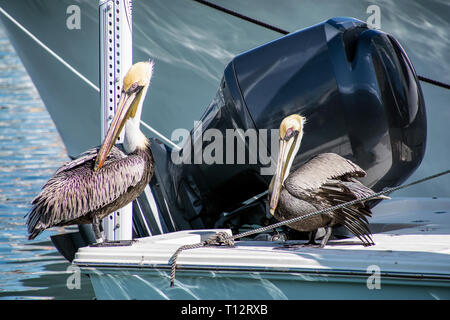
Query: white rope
x=76 y=72
x=176 y=147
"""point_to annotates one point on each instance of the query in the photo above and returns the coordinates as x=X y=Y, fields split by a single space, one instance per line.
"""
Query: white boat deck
x=412 y=239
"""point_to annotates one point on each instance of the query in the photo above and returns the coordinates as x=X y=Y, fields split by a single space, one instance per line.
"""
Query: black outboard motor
x=355 y=86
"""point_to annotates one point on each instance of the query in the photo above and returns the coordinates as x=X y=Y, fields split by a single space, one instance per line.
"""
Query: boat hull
x=153 y=284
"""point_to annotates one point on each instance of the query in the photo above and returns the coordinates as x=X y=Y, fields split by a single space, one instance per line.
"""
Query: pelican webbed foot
x=312 y=238
x=101 y=241
x=326 y=237
x=98 y=233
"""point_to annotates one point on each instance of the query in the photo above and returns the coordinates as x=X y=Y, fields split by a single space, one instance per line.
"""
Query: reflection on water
x=30 y=151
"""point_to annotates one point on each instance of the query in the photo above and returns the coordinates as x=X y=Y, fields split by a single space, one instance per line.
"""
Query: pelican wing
x=315 y=172
x=88 y=155
x=354 y=217
x=76 y=190
x=327 y=180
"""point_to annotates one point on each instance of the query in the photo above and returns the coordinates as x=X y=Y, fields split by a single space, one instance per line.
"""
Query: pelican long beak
x=291 y=133
x=127 y=105
x=278 y=178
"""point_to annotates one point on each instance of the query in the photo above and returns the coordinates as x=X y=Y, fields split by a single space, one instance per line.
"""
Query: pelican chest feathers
x=324 y=181
x=102 y=180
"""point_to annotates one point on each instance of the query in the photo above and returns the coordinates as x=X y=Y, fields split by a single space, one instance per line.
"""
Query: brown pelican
x=324 y=181
x=102 y=180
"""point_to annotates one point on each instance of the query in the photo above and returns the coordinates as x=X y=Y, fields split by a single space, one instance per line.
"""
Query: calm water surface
x=30 y=152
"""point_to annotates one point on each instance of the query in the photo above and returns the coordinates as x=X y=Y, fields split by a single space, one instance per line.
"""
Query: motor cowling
x=357 y=89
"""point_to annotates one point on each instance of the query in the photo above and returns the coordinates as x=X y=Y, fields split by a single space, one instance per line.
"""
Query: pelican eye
x=134 y=87
x=290 y=133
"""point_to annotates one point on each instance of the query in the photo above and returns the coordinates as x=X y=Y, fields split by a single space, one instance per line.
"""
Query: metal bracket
x=115 y=59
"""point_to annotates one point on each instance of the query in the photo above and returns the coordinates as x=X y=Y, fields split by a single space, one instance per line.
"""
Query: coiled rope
x=223 y=239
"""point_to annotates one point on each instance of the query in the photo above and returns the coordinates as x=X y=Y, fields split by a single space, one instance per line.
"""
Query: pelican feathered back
x=75 y=191
x=324 y=181
x=316 y=171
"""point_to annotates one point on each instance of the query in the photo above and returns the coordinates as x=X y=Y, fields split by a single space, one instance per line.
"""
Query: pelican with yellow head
x=102 y=180
x=325 y=180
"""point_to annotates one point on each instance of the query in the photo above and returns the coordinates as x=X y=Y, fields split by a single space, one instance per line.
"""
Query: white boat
x=412 y=251
x=410 y=260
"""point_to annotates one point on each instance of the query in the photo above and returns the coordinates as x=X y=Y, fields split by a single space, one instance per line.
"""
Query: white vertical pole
x=115 y=60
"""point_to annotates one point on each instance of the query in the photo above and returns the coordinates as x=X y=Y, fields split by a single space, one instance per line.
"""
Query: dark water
x=30 y=152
